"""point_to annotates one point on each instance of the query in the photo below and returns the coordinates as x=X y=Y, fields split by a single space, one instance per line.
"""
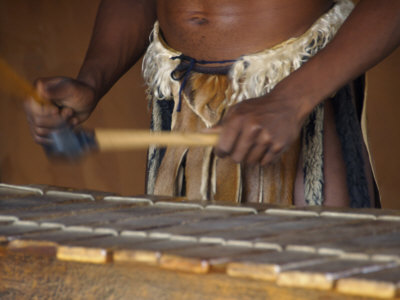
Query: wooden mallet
x=75 y=143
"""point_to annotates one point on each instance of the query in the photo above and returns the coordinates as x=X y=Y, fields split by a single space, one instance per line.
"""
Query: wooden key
x=18 y=229
x=381 y=284
x=275 y=226
x=324 y=275
x=206 y=226
x=379 y=246
x=55 y=199
x=54 y=211
x=66 y=191
x=203 y=258
x=267 y=266
x=47 y=242
x=149 y=223
x=361 y=213
x=21 y=204
x=29 y=202
x=96 y=250
x=150 y=251
x=11 y=191
x=134 y=218
x=327 y=231
x=100 y=218
x=335 y=212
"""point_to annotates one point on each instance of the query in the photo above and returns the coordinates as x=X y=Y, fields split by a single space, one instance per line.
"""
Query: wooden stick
x=15 y=85
x=107 y=139
x=119 y=139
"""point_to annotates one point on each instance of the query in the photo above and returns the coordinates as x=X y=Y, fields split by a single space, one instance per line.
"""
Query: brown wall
x=46 y=37
x=383 y=125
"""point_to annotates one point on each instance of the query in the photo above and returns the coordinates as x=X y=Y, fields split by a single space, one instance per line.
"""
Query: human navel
x=199 y=19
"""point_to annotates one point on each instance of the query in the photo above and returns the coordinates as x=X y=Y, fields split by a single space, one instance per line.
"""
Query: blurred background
x=45 y=38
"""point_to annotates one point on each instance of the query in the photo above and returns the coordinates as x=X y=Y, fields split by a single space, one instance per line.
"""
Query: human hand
x=258 y=130
x=70 y=102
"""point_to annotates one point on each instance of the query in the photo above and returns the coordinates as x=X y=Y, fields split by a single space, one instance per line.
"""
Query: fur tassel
x=313 y=153
x=157 y=66
x=205 y=173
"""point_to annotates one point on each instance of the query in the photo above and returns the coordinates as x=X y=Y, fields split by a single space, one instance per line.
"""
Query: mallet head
x=70 y=144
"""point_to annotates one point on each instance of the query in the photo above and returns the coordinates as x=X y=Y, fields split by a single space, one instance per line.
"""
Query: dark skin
x=217 y=30
x=254 y=131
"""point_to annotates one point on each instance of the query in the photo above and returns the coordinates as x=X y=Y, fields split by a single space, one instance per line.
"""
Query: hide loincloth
x=190 y=95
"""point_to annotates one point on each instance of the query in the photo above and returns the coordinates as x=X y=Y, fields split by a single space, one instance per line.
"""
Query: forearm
x=119 y=38
x=371 y=32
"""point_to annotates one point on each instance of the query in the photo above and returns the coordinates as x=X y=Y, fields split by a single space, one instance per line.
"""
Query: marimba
x=69 y=244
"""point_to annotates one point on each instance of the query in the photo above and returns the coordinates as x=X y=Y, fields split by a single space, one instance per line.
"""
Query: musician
x=273 y=77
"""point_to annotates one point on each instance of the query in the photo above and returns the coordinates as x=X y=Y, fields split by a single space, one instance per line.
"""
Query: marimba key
x=245 y=210
x=99 y=218
x=66 y=191
x=47 y=242
x=83 y=193
x=253 y=232
x=325 y=231
x=13 y=204
x=205 y=226
x=275 y=226
x=150 y=251
x=323 y=276
x=6 y=222
x=176 y=199
x=116 y=218
x=336 y=212
x=207 y=215
x=137 y=200
x=378 y=246
x=134 y=224
x=11 y=191
x=381 y=284
x=293 y=211
x=203 y=215
x=267 y=266
x=20 y=228
x=54 y=198
x=97 y=250
x=29 y=201
x=168 y=218
x=203 y=258
x=214 y=205
x=360 y=213
x=69 y=195
x=223 y=212
x=54 y=211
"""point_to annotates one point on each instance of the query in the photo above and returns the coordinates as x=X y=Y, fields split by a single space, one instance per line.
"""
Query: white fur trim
x=251 y=75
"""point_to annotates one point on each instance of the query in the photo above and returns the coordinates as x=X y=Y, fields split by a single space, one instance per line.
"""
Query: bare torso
x=227 y=29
